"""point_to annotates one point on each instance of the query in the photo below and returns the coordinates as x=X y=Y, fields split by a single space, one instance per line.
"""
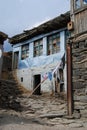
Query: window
x=78 y=4
x=53 y=43
x=84 y=1
x=38 y=48
x=25 y=51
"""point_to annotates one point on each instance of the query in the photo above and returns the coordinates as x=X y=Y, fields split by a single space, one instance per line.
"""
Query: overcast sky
x=18 y=15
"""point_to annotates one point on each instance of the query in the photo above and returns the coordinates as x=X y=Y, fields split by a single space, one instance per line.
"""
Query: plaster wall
x=26 y=77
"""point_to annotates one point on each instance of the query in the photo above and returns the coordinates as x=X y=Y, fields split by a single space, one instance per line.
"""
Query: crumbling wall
x=79 y=78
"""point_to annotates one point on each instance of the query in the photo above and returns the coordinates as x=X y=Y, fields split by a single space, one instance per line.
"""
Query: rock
x=62 y=121
x=51 y=115
x=77 y=115
x=69 y=117
x=22 y=123
x=75 y=125
x=85 y=124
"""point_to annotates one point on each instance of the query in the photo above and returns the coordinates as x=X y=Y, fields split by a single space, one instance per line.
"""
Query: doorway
x=37 y=80
x=16 y=57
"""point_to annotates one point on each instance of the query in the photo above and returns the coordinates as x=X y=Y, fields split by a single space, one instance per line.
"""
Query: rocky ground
x=43 y=111
x=22 y=111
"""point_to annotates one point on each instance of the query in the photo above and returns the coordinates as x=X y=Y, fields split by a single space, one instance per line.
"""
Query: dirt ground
x=40 y=113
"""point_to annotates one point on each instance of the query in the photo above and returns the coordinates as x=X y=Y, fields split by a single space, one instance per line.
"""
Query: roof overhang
x=3 y=36
x=54 y=24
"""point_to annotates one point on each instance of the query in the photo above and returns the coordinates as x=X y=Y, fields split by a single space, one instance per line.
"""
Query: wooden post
x=69 y=81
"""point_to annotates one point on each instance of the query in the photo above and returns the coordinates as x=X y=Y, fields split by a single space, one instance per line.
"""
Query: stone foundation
x=79 y=78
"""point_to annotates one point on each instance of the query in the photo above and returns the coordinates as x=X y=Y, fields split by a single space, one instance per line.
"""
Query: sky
x=19 y=15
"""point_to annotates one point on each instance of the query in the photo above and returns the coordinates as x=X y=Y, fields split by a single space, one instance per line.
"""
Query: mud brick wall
x=79 y=76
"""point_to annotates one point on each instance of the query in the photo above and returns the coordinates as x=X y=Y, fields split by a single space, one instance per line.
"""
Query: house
x=77 y=43
x=39 y=56
x=3 y=37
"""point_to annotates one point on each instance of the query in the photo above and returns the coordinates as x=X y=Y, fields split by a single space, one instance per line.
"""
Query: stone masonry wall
x=79 y=78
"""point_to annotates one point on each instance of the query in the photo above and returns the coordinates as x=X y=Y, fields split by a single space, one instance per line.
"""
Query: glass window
x=25 y=51
x=77 y=4
x=84 y=1
x=53 y=43
x=38 y=48
x=80 y=3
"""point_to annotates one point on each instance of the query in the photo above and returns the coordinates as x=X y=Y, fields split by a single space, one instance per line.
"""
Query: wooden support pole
x=69 y=81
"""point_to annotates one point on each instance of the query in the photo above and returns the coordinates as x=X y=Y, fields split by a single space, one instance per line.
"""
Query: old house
x=77 y=45
x=3 y=37
x=39 y=56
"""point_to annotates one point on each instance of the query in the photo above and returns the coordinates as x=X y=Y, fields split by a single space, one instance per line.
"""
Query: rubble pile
x=8 y=95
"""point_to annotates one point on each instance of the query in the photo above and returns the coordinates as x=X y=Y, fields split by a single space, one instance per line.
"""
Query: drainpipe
x=69 y=80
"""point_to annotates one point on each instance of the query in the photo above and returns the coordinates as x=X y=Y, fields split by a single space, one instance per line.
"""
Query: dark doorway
x=16 y=57
x=37 y=80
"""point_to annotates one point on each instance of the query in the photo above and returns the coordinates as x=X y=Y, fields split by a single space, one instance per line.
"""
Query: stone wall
x=79 y=78
x=7 y=65
x=9 y=92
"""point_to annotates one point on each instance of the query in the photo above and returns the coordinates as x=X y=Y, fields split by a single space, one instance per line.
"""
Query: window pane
x=53 y=44
x=36 y=43
x=78 y=4
x=85 y=1
x=41 y=47
x=38 y=48
x=25 y=51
